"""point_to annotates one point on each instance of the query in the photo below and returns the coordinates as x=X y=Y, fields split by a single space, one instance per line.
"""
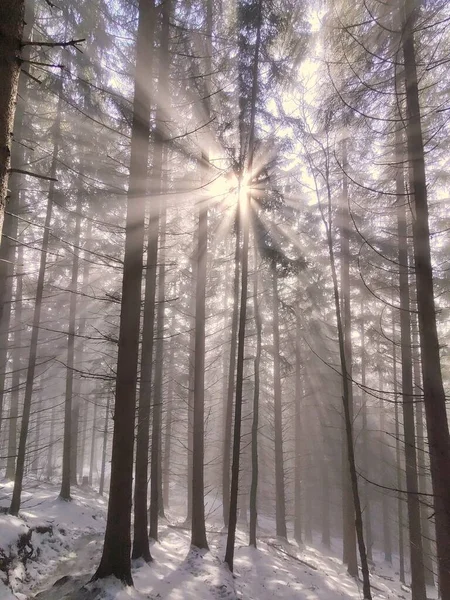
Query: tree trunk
x=256 y=389
x=93 y=458
x=347 y=406
x=16 y=368
x=365 y=442
x=11 y=31
x=69 y=438
x=280 y=498
x=49 y=473
x=349 y=538
x=422 y=468
x=168 y=430
x=298 y=436
x=155 y=459
x=244 y=207
x=104 y=448
x=398 y=460
x=231 y=381
x=30 y=377
x=116 y=550
x=434 y=394
x=198 y=538
x=156 y=500
x=418 y=590
x=232 y=519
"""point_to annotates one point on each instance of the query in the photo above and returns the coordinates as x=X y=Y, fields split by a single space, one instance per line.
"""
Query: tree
x=433 y=390
x=11 y=30
x=117 y=546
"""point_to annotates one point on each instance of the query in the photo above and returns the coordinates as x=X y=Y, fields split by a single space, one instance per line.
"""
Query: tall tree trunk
x=349 y=538
x=30 y=376
x=298 y=436
x=256 y=390
x=418 y=590
x=232 y=519
x=11 y=30
x=198 y=537
x=116 y=550
x=105 y=447
x=365 y=442
x=93 y=458
x=51 y=443
x=168 y=430
x=231 y=383
x=384 y=465
x=244 y=224
x=280 y=497
x=163 y=93
x=347 y=405
x=82 y=404
x=398 y=460
x=67 y=460
x=156 y=500
x=16 y=368
x=434 y=394
x=422 y=468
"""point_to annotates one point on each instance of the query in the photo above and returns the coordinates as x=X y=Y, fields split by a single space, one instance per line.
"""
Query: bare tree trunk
x=30 y=377
x=280 y=498
x=244 y=223
x=11 y=30
x=49 y=473
x=104 y=448
x=347 y=405
x=93 y=459
x=231 y=381
x=232 y=519
x=168 y=430
x=434 y=394
x=422 y=468
x=79 y=449
x=349 y=537
x=198 y=537
x=365 y=442
x=256 y=390
x=298 y=436
x=16 y=368
x=418 y=590
x=155 y=459
x=69 y=438
x=156 y=500
x=398 y=460
x=384 y=464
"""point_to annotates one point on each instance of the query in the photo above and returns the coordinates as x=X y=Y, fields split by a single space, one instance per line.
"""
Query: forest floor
x=51 y=551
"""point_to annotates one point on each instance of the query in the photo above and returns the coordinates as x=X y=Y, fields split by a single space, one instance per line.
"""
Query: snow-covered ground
x=65 y=541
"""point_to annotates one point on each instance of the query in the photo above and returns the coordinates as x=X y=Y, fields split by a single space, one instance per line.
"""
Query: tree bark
x=231 y=383
x=365 y=442
x=418 y=589
x=68 y=452
x=30 y=377
x=256 y=390
x=349 y=537
x=298 y=436
x=434 y=394
x=280 y=497
x=11 y=31
x=116 y=550
x=104 y=448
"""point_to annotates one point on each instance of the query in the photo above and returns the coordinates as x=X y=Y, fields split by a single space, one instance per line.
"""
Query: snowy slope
x=65 y=556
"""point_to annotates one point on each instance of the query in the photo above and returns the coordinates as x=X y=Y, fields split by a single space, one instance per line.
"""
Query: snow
x=68 y=549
